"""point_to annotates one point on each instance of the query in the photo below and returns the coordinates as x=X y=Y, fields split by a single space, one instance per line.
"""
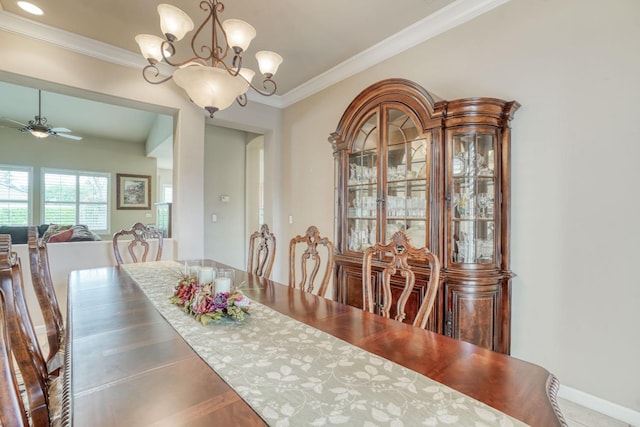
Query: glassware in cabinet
x=473 y=197
x=362 y=188
x=406 y=190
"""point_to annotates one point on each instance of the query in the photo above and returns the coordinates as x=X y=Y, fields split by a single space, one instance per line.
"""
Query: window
x=73 y=197
x=15 y=191
x=167 y=190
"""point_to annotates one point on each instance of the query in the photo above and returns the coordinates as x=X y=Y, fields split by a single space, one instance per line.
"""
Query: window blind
x=14 y=195
x=73 y=197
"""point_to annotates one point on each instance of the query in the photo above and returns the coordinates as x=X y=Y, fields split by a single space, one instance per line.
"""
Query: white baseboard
x=597 y=404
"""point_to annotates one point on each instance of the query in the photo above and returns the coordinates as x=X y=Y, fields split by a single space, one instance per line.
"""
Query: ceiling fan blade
x=12 y=121
x=60 y=130
x=65 y=135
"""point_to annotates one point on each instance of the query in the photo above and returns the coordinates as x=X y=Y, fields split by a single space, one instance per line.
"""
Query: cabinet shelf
x=487 y=220
x=413 y=181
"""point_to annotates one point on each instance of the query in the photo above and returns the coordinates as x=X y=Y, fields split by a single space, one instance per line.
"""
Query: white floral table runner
x=295 y=375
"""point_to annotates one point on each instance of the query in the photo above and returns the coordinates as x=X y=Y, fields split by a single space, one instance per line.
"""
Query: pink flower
x=243 y=302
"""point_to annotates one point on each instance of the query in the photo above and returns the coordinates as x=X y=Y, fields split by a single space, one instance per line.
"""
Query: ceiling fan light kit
x=209 y=81
x=39 y=128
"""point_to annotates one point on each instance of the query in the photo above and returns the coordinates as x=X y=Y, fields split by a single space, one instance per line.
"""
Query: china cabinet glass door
x=362 y=187
x=473 y=197
x=378 y=207
x=406 y=179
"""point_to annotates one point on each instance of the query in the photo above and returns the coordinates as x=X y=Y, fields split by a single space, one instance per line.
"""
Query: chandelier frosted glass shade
x=239 y=33
x=248 y=74
x=210 y=88
x=268 y=62
x=151 y=47
x=174 y=22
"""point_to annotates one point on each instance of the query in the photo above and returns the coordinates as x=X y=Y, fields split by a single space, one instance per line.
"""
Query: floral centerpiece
x=202 y=302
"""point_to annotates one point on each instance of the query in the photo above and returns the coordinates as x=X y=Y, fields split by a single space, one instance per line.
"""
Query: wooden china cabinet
x=440 y=171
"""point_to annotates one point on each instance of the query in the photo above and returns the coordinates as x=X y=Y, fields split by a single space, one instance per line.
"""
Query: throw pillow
x=54 y=229
x=81 y=233
x=62 y=236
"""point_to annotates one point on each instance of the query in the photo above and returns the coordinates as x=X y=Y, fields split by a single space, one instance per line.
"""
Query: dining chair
x=12 y=412
x=138 y=235
x=394 y=259
x=262 y=251
x=43 y=392
x=310 y=241
x=46 y=295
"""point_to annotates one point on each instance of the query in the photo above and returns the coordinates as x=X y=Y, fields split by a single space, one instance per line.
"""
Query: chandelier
x=207 y=78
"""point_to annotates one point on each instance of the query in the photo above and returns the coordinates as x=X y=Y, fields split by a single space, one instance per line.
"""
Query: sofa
x=51 y=233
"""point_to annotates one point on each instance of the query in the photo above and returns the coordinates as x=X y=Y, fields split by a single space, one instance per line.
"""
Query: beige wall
x=224 y=175
x=164 y=178
x=573 y=64
x=91 y=155
x=253 y=175
x=266 y=121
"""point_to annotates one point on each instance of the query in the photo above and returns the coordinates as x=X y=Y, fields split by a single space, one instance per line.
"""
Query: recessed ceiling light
x=30 y=7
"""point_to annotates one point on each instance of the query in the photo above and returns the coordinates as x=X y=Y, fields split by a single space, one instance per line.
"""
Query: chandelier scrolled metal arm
x=206 y=77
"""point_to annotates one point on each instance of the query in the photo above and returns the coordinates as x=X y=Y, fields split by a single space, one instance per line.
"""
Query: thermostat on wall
x=225 y=199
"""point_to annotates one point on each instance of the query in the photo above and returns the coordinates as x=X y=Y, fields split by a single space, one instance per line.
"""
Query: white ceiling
x=321 y=42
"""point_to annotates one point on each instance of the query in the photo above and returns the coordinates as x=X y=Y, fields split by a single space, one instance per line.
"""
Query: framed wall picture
x=133 y=191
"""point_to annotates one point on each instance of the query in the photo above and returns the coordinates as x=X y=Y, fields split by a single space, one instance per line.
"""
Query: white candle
x=223 y=284
x=186 y=269
x=205 y=275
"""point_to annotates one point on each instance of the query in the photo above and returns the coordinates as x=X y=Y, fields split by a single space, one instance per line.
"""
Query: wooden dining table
x=127 y=366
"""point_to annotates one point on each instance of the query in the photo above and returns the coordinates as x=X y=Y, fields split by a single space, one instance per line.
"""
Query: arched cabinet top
x=424 y=106
x=429 y=110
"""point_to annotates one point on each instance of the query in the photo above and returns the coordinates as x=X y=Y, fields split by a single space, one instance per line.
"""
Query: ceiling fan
x=39 y=128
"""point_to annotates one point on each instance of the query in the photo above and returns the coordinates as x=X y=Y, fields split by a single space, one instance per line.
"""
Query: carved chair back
x=394 y=260
x=138 y=233
x=46 y=295
x=12 y=412
x=23 y=341
x=309 y=255
x=262 y=251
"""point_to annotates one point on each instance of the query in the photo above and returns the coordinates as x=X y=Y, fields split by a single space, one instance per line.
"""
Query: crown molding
x=448 y=17
x=70 y=41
